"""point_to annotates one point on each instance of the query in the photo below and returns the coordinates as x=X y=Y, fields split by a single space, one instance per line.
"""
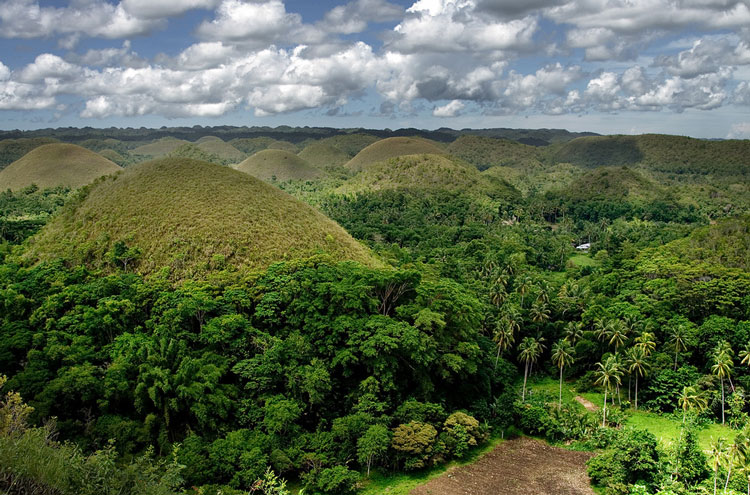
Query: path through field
x=522 y=466
x=590 y=406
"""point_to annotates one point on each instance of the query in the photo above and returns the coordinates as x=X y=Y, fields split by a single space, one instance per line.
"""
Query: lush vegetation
x=191 y=326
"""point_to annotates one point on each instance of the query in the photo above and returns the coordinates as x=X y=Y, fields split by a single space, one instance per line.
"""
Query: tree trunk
x=604 y=410
x=729 y=473
x=675 y=359
x=722 y=401
x=525 y=375
x=636 y=392
x=497 y=358
x=716 y=475
x=560 y=406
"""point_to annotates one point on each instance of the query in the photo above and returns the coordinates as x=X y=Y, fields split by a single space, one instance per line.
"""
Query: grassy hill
x=194 y=152
x=159 y=148
x=659 y=153
x=56 y=164
x=485 y=152
x=323 y=155
x=281 y=165
x=216 y=146
x=192 y=217
x=611 y=183
x=250 y=146
x=351 y=144
x=13 y=149
x=428 y=172
x=390 y=148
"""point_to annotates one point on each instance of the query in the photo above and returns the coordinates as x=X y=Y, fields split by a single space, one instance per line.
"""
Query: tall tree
x=716 y=454
x=638 y=366
x=678 y=341
x=608 y=374
x=722 y=367
x=691 y=398
x=529 y=351
x=563 y=355
x=504 y=336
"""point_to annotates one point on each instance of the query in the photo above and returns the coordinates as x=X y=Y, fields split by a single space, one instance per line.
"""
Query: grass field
x=665 y=428
x=583 y=260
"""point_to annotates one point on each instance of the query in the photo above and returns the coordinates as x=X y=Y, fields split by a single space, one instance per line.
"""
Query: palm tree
x=637 y=366
x=647 y=342
x=677 y=339
x=731 y=456
x=524 y=287
x=562 y=355
x=717 y=452
x=600 y=329
x=743 y=455
x=504 y=337
x=745 y=355
x=498 y=295
x=692 y=398
x=607 y=374
x=539 y=312
x=726 y=348
x=722 y=368
x=574 y=331
x=530 y=350
x=616 y=333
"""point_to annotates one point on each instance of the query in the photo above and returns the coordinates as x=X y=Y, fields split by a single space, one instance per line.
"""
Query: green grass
x=666 y=429
x=279 y=165
x=551 y=386
x=323 y=155
x=225 y=151
x=193 y=217
x=56 y=164
x=402 y=483
x=390 y=148
x=160 y=147
x=583 y=260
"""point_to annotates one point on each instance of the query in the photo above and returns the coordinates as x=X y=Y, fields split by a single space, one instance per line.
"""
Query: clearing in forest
x=522 y=466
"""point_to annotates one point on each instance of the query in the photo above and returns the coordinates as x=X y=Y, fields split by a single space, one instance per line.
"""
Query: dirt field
x=517 y=467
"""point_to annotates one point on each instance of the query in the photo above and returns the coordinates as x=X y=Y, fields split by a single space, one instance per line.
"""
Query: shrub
x=414 y=442
x=337 y=480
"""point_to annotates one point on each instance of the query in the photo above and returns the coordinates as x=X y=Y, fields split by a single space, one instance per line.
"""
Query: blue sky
x=609 y=66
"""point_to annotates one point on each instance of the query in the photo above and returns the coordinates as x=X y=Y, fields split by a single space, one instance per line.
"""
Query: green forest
x=463 y=313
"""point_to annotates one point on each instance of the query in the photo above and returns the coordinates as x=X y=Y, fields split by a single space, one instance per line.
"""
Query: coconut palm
x=608 y=373
x=616 y=333
x=539 y=312
x=722 y=367
x=647 y=342
x=678 y=341
x=692 y=398
x=504 y=337
x=562 y=355
x=744 y=355
x=524 y=286
x=638 y=366
x=716 y=454
x=529 y=351
x=574 y=331
x=726 y=348
x=742 y=458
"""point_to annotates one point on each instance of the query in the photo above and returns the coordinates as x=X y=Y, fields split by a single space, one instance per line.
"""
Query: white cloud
x=21 y=96
x=96 y=18
x=258 y=23
x=354 y=17
x=4 y=72
x=740 y=130
x=707 y=56
x=441 y=26
x=451 y=109
x=108 y=57
x=205 y=55
x=48 y=66
x=153 y=9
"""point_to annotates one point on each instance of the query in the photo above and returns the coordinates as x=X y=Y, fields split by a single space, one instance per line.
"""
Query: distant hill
x=216 y=146
x=159 y=148
x=192 y=217
x=390 y=148
x=323 y=155
x=484 y=152
x=13 y=149
x=250 y=146
x=428 y=172
x=56 y=164
x=280 y=165
x=351 y=144
x=660 y=153
x=614 y=183
x=195 y=152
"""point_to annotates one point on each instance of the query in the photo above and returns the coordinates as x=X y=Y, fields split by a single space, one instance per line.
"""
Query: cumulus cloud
x=95 y=18
x=707 y=56
x=441 y=26
x=151 y=9
x=108 y=57
x=354 y=17
x=451 y=109
x=740 y=130
x=258 y=23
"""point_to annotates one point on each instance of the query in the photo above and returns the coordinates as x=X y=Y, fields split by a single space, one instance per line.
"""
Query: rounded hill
x=323 y=155
x=428 y=172
x=391 y=148
x=160 y=147
x=280 y=165
x=191 y=217
x=485 y=152
x=56 y=164
x=217 y=146
x=609 y=183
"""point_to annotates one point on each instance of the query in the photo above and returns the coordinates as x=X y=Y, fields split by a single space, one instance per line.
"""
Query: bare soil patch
x=590 y=406
x=522 y=466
